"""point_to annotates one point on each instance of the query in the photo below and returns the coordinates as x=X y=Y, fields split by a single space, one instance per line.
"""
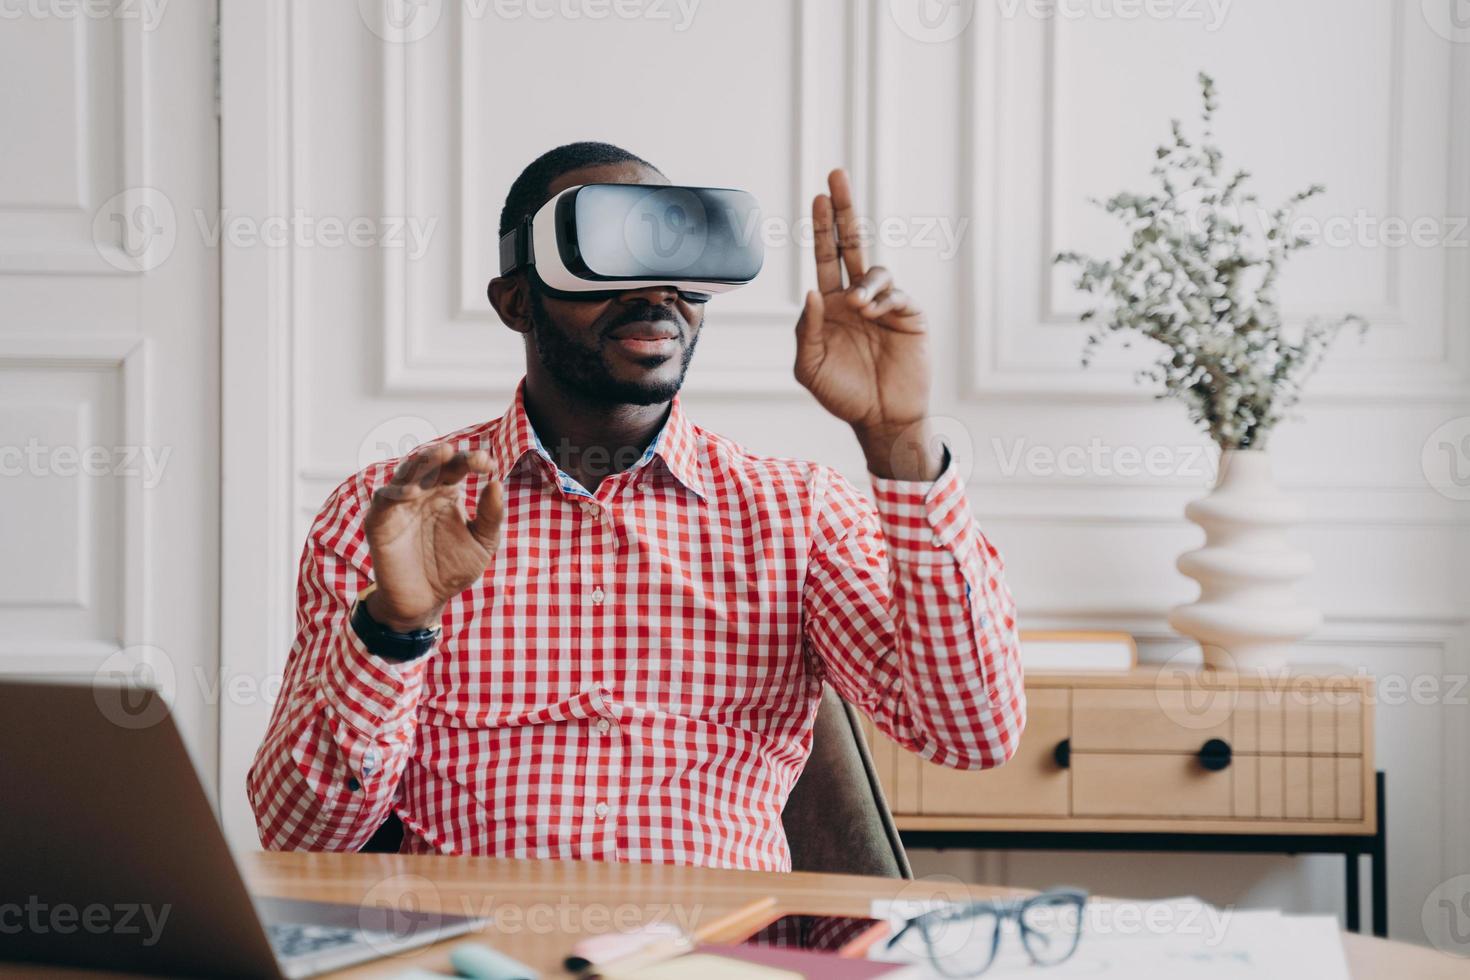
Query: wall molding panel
x=443 y=353
x=1023 y=341
x=111 y=543
x=108 y=141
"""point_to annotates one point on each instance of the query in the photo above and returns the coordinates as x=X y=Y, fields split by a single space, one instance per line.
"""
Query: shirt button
x=604 y=726
x=593 y=511
x=597 y=596
x=601 y=810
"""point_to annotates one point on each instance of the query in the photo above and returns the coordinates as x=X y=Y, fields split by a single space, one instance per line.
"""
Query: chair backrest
x=837 y=819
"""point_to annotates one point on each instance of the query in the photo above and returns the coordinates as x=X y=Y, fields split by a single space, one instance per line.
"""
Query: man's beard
x=584 y=370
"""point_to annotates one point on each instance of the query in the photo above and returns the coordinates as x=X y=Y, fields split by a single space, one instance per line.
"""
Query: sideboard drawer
x=1031 y=784
x=1156 y=750
x=1148 y=785
x=1148 y=720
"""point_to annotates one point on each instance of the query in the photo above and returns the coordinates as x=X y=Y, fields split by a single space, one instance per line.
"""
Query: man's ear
x=511 y=297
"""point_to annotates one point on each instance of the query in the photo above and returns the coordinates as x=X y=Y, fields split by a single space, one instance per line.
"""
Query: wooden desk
x=542 y=906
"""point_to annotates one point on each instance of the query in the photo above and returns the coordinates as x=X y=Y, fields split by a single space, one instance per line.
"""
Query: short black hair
x=532 y=188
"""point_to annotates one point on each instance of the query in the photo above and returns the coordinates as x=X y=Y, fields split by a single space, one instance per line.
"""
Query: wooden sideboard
x=1156 y=749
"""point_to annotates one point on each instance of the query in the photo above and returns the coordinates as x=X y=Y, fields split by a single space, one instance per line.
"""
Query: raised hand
x=425 y=552
x=862 y=348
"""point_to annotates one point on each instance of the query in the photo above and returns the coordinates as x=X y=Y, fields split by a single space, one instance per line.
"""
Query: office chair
x=837 y=820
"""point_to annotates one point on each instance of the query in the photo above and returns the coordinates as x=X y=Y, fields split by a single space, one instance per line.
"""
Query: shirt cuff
x=376 y=697
x=923 y=518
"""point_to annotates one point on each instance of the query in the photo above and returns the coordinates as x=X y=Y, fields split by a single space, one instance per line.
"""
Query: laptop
x=110 y=855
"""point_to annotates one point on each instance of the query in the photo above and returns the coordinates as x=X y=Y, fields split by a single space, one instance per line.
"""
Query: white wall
x=1001 y=131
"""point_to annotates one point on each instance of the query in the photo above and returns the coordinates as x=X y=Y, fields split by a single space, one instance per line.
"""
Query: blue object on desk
x=483 y=963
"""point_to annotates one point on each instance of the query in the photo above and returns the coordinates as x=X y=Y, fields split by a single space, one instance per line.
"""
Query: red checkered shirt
x=636 y=675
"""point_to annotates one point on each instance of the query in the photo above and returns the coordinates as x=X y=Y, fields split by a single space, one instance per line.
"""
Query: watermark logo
x=401 y=21
x=134 y=687
x=394 y=439
x=1446 y=916
x=668 y=230
x=397 y=909
x=1189 y=696
x=135 y=230
x=932 y=21
x=1446 y=459
x=1450 y=19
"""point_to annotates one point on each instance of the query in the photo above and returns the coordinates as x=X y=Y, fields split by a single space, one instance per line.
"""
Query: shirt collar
x=676 y=444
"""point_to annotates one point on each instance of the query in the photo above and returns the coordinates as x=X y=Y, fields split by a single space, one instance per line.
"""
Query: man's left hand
x=862 y=348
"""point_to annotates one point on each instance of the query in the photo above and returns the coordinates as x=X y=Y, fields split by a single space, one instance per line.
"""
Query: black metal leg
x=1380 y=866
x=1354 y=896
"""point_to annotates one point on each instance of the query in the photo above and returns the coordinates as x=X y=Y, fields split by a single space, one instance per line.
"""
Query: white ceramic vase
x=1248 y=616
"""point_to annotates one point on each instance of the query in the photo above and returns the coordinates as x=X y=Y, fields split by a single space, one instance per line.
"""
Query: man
x=638 y=616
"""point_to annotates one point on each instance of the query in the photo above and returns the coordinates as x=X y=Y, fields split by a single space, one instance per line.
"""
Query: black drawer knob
x=1063 y=754
x=1214 y=755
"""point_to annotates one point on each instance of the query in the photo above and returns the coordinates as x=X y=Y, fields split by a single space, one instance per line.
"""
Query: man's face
x=631 y=348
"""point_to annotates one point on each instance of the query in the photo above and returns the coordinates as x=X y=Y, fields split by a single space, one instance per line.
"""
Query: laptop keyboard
x=292 y=939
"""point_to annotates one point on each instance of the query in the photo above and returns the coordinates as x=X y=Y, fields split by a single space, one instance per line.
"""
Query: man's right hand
x=425 y=552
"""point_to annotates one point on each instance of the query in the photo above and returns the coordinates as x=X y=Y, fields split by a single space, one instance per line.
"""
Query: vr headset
x=595 y=240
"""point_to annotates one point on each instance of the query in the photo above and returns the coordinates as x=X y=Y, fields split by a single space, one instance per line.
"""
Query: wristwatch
x=386 y=643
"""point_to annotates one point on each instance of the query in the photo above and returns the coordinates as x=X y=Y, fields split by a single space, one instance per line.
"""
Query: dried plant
x=1199 y=281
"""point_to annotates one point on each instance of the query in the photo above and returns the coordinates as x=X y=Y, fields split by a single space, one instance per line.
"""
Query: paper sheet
x=1178 y=939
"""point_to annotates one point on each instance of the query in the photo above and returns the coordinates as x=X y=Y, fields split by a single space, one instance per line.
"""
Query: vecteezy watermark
x=570 y=916
x=37 y=917
x=407 y=21
x=1446 y=459
x=1210 y=14
x=303 y=230
x=1363 y=229
x=932 y=21
x=137 y=229
x=1450 y=19
x=1098 y=459
x=149 y=12
x=135 y=687
x=36 y=459
x=402 y=906
x=1446 y=916
x=1100 y=917
x=670 y=230
x=1359 y=229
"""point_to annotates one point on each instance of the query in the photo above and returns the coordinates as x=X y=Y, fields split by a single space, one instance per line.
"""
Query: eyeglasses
x=962 y=941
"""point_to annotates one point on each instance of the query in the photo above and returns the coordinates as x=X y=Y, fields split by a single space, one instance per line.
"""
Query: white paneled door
x=109 y=349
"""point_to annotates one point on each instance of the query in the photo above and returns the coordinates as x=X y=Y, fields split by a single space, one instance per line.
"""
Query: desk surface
x=537 y=908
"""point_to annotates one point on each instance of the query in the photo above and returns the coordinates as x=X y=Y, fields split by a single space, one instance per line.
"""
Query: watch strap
x=386 y=643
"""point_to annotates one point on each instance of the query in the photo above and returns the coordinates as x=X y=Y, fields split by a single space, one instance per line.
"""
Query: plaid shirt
x=636 y=675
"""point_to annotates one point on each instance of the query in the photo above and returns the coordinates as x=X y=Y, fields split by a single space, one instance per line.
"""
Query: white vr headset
x=597 y=239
